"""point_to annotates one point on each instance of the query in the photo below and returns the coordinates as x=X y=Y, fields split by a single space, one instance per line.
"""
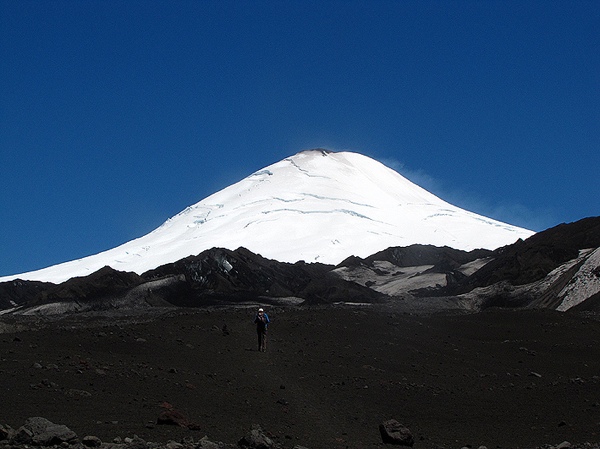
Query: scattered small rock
x=73 y=392
x=43 y=433
x=170 y=416
x=91 y=441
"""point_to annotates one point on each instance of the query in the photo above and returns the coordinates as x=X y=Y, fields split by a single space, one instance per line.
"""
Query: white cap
x=260 y=310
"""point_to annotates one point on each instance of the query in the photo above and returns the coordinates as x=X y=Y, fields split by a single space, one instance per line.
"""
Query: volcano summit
x=316 y=206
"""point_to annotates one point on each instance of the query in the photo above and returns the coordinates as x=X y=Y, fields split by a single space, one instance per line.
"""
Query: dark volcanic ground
x=330 y=376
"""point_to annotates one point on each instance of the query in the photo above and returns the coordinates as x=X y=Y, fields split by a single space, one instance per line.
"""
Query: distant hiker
x=262 y=321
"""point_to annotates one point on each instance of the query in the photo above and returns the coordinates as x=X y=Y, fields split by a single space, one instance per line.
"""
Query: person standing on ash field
x=262 y=321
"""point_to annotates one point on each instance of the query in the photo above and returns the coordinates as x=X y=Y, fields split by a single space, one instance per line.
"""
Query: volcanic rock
x=42 y=432
x=256 y=439
x=392 y=432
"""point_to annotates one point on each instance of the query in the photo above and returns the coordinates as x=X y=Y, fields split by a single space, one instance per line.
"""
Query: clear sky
x=116 y=115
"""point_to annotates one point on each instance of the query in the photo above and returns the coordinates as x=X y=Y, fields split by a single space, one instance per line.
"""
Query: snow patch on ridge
x=584 y=284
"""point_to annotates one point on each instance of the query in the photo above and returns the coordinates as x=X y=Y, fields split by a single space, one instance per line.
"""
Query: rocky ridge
x=557 y=269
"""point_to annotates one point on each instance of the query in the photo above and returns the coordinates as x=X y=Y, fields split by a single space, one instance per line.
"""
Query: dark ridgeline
x=220 y=277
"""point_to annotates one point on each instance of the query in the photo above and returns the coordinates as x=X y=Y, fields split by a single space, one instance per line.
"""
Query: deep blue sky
x=116 y=115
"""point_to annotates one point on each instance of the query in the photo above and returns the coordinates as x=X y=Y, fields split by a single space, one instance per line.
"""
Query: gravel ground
x=503 y=379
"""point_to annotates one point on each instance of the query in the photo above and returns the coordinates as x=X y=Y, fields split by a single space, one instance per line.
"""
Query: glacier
x=315 y=206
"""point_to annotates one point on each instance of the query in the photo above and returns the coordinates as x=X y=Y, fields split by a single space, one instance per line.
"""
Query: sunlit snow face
x=314 y=206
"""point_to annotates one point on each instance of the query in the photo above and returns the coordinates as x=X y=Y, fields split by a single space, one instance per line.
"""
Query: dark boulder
x=392 y=432
x=41 y=432
x=256 y=439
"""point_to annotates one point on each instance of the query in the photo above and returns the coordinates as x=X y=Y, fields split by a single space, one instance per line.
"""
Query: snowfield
x=315 y=206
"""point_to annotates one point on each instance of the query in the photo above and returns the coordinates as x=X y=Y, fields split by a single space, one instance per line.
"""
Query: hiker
x=262 y=321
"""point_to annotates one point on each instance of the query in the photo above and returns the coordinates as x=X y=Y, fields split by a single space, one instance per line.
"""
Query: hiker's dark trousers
x=262 y=339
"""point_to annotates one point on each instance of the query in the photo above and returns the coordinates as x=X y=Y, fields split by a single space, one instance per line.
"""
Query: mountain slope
x=315 y=206
x=559 y=269
x=532 y=260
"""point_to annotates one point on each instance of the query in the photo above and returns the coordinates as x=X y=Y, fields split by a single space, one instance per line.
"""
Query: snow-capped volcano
x=315 y=206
